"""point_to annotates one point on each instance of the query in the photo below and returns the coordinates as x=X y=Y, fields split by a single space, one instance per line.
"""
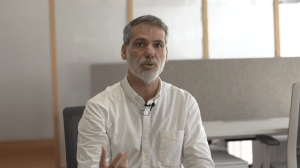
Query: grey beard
x=146 y=77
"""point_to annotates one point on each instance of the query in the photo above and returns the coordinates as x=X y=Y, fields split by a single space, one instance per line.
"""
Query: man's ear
x=167 y=54
x=123 y=52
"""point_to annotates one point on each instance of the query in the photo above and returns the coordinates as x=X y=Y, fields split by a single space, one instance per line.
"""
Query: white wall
x=289 y=29
x=184 y=20
x=88 y=32
x=241 y=29
x=25 y=72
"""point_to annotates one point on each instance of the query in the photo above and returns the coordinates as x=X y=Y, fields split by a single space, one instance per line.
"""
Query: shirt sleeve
x=195 y=152
x=91 y=136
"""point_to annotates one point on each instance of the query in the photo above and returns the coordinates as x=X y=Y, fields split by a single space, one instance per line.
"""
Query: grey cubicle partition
x=227 y=89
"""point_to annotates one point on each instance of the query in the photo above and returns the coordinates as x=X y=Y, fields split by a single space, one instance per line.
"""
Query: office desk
x=243 y=129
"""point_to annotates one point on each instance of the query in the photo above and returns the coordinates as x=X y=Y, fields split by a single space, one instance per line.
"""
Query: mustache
x=150 y=60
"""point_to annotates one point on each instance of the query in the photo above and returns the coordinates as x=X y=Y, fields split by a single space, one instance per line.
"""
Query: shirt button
x=145 y=159
x=146 y=136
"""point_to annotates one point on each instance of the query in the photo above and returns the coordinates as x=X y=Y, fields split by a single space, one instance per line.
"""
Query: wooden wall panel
x=54 y=83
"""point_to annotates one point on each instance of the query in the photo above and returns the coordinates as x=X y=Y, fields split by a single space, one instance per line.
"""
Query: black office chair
x=72 y=116
x=293 y=142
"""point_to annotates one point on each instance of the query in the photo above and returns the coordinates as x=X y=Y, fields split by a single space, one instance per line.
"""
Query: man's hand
x=123 y=163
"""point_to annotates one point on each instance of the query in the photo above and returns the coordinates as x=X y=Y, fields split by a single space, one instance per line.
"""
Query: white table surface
x=245 y=128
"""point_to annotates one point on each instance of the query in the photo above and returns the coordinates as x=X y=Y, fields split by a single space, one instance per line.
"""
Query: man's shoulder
x=172 y=89
x=110 y=91
x=175 y=93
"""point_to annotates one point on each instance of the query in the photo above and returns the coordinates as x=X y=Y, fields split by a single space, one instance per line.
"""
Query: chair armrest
x=268 y=140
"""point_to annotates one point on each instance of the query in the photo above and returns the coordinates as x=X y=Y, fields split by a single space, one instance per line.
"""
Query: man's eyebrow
x=140 y=38
x=143 y=39
x=159 y=41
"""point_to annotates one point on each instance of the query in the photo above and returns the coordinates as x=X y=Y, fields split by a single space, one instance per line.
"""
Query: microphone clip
x=148 y=105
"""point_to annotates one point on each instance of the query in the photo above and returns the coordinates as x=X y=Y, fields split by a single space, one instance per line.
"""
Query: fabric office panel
x=239 y=88
x=106 y=75
x=229 y=89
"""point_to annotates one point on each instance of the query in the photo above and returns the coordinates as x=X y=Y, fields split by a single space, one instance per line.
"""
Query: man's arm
x=195 y=151
x=91 y=137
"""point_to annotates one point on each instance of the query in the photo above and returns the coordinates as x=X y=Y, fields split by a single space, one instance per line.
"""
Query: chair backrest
x=72 y=116
x=293 y=135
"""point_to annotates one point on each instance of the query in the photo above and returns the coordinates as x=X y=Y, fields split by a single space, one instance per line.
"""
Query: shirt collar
x=135 y=98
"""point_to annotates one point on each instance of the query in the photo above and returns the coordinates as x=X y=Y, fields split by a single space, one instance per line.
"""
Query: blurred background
x=90 y=32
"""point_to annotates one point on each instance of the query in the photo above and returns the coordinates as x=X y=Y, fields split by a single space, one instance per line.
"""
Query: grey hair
x=150 y=19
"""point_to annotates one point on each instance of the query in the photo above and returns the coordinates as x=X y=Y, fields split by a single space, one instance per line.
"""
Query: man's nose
x=149 y=51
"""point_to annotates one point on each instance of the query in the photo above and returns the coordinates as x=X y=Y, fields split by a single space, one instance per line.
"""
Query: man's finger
x=116 y=160
x=103 y=158
x=124 y=160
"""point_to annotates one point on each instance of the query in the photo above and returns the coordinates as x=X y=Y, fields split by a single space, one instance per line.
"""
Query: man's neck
x=146 y=91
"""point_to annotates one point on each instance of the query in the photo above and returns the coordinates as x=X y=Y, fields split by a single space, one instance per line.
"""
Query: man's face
x=146 y=53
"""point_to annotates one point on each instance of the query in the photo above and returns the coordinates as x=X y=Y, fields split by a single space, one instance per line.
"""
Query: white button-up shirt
x=167 y=135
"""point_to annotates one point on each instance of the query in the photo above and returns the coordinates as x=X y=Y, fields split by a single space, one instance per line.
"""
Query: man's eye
x=159 y=45
x=139 y=44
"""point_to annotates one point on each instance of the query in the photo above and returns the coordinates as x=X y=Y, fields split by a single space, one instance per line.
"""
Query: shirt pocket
x=170 y=148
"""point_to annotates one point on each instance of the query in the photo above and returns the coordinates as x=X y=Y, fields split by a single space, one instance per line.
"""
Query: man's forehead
x=146 y=30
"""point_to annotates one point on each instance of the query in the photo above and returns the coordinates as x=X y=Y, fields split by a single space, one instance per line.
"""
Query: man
x=155 y=123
